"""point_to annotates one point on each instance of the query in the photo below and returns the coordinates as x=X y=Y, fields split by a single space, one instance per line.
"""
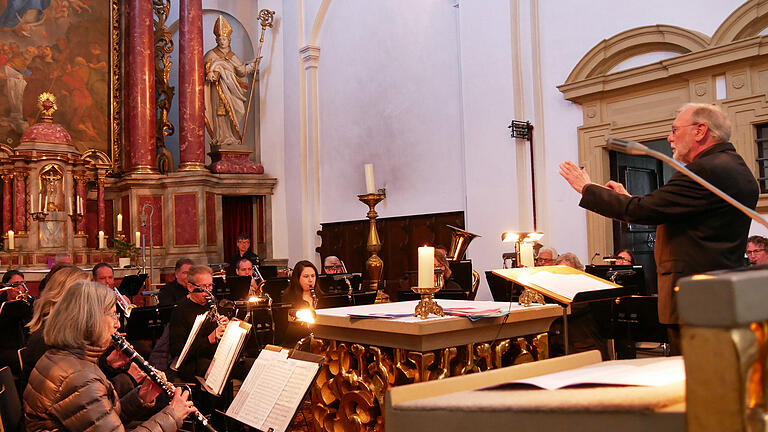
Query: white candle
x=39 y=203
x=11 y=242
x=369 y=183
x=80 y=205
x=526 y=254
x=69 y=206
x=426 y=266
x=119 y=222
x=138 y=239
x=101 y=240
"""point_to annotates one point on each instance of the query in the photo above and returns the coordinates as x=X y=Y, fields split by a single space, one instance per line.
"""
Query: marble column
x=20 y=202
x=80 y=181
x=101 y=215
x=139 y=88
x=7 y=202
x=191 y=96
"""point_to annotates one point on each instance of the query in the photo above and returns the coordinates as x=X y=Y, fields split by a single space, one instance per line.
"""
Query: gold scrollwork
x=164 y=91
x=524 y=355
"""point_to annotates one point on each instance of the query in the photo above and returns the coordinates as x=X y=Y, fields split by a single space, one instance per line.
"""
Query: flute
x=169 y=389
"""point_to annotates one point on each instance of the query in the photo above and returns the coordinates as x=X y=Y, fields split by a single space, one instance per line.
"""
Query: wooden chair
x=10 y=404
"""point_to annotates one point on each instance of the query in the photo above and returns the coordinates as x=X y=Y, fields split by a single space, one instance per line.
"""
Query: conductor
x=697 y=231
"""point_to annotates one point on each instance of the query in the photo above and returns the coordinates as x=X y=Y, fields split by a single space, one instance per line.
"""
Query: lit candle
x=101 y=240
x=369 y=183
x=138 y=239
x=119 y=222
x=11 y=243
x=526 y=254
x=426 y=266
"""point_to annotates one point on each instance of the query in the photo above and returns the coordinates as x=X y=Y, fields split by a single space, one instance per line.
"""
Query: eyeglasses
x=114 y=316
x=755 y=251
x=675 y=129
x=203 y=286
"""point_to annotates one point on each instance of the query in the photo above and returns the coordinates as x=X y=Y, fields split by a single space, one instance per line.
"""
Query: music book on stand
x=564 y=284
x=199 y=320
x=272 y=393
x=227 y=353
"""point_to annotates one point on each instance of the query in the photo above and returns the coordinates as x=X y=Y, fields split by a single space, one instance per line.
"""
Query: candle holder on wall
x=374 y=265
x=76 y=219
x=39 y=216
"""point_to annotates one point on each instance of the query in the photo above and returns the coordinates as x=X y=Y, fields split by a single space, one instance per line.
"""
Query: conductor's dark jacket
x=697 y=231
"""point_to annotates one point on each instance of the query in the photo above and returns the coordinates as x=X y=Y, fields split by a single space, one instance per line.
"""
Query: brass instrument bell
x=460 y=240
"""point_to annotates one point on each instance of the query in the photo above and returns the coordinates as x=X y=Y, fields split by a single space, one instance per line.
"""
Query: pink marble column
x=7 y=202
x=191 y=96
x=139 y=88
x=20 y=203
x=80 y=181
x=101 y=216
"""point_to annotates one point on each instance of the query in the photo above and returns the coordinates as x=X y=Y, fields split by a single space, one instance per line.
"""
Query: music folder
x=272 y=393
x=564 y=284
x=199 y=320
x=227 y=353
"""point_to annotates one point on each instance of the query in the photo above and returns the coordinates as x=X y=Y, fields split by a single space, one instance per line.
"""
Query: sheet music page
x=616 y=372
x=256 y=397
x=265 y=357
x=199 y=320
x=293 y=393
x=567 y=285
x=224 y=358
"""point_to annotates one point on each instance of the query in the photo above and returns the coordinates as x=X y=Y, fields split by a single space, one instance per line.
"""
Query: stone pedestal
x=234 y=160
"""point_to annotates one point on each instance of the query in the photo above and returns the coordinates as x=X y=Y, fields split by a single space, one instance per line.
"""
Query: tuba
x=460 y=240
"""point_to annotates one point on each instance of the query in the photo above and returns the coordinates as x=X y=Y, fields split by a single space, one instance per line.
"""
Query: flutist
x=68 y=391
x=201 y=352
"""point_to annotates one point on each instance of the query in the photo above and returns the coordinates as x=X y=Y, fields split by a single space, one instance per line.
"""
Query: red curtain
x=237 y=212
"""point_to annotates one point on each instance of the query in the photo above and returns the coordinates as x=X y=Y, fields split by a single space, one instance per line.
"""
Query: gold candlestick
x=374 y=265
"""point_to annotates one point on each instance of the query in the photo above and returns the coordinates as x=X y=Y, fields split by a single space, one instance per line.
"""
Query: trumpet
x=256 y=276
x=122 y=301
x=22 y=295
x=169 y=389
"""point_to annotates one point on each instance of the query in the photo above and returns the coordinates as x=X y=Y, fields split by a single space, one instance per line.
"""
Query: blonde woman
x=56 y=285
x=68 y=391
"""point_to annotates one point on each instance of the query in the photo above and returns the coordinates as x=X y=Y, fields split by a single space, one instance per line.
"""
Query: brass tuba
x=460 y=240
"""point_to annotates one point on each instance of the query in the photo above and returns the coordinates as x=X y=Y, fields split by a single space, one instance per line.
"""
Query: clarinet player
x=68 y=391
x=203 y=348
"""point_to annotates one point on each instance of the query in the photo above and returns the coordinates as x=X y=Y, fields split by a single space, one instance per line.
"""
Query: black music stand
x=148 y=322
x=131 y=284
x=275 y=287
x=235 y=288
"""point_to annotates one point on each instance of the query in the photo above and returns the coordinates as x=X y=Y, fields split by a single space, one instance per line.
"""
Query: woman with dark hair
x=302 y=287
x=625 y=257
x=16 y=315
x=68 y=391
x=10 y=277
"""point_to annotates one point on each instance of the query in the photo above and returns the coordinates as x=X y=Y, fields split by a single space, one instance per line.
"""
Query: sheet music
x=272 y=391
x=293 y=392
x=199 y=320
x=616 y=372
x=567 y=285
x=224 y=358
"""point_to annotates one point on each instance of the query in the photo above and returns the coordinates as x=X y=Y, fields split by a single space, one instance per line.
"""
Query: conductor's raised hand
x=575 y=176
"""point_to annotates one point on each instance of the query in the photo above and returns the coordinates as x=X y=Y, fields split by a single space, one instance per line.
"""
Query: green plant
x=125 y=249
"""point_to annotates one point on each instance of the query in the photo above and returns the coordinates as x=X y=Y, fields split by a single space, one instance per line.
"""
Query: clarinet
x=213 y=313
x=169 y=389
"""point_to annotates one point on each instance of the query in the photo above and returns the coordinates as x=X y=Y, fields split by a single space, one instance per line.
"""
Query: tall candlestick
x=102 y=243
x=138 y=239
x=11 y=242
x=370 y=185
x=119 y=222
x=426 y=266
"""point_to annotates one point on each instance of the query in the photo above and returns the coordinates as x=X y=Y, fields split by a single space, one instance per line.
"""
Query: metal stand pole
x=565 y=328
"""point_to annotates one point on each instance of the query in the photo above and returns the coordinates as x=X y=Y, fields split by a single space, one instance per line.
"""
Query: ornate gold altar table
x=364 y=357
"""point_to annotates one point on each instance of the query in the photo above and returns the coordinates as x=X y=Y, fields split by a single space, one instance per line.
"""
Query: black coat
x=697 y=231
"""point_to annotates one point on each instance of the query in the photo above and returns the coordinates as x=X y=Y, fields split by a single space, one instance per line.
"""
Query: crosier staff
x=266 y=17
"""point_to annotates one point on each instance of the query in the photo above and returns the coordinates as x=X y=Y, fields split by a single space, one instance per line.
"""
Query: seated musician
x=625 y=257
x=441 y=262
x=546 y=256
x=245 y=268
x=243 y=252
x=14 y=335
x=333 y=265
x=175 y=291
x=200 y=354
x=68 y=391
x=756 y=250
x=104 y=274
x=301 y=291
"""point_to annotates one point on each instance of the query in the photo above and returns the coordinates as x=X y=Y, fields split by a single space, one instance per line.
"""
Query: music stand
x=131 y=285
x=235 y=288
x=148 y=322
x=275 y=287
